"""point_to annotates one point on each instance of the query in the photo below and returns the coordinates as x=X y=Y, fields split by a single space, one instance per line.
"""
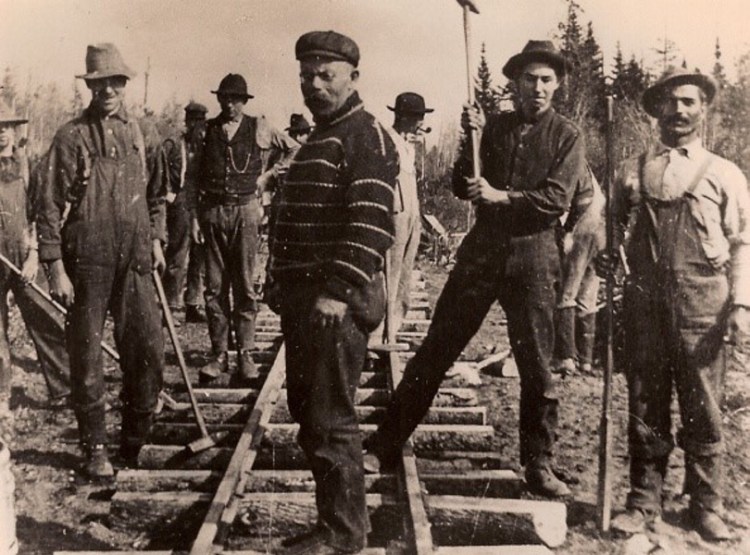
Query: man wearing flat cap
x=240 y=154
x=409 y=112
x=531 y=160
x=106 y=171
x=185 y=257
x=332 y=228
x=682 y=215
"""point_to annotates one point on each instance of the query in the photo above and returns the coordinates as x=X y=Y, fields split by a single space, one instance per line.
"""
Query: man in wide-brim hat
x=686 y=212
x=110 y=168
x=531 y=160
x=240 y=154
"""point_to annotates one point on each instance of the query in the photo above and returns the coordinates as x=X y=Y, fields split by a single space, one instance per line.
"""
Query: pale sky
x=413 y=45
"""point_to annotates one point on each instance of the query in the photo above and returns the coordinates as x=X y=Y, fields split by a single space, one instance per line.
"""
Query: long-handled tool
x=470 y=6
x=604 y=488
x=205 y=441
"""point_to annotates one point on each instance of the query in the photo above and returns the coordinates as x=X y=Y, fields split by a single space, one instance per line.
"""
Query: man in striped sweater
x=331 y=229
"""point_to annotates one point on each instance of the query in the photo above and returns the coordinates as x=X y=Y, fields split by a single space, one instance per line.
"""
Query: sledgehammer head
x=471 y=4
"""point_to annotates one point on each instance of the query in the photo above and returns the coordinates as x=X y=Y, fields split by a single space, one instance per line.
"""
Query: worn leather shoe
x=542 y=481
x=246 y=369
x=315 y=544
x=709 y=525
x=193 y=315
x=213 y=369
x=632 y=521
x=97 y=463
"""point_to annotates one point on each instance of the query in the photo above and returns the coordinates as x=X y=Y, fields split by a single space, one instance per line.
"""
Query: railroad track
x=451 y=495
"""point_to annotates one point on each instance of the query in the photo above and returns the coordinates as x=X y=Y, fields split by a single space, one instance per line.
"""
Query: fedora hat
x=673 y=77
x=233 y=84
x=536 y=51
x=104 y=60
x=410 y=103
x=298 y=124
x=8 y=116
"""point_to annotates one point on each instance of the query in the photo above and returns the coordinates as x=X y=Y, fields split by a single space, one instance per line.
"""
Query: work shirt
x=405 y=197
x=720 y=204
x=538 y=162
x=16 y=234
x=93 y=154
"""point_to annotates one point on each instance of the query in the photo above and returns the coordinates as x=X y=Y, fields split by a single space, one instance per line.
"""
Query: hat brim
x=245 y=96
x=516 y=63
x=425 y=111
x=126 y=72
x=652 y=97
x=13 y=121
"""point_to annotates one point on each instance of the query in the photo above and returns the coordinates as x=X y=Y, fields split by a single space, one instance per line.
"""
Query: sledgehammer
x=205 y=441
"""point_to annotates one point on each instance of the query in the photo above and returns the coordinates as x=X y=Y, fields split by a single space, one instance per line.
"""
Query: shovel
x=205 y=441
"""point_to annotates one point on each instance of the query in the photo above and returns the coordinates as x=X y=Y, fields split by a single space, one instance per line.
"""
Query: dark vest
x=230 y=167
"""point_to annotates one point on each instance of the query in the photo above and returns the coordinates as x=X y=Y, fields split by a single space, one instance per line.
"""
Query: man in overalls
x=19 y=246
x=106 y=168
x=687 y=214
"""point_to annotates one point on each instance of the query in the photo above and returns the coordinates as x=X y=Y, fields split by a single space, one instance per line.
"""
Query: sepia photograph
x=389 y=277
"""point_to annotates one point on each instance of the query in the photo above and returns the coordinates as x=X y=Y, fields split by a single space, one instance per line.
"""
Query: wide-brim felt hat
x=327 y=44
x=233 y=84
x=537 y=51
x=104 y=60
x=298 y=124
x=8 y=116
x=672 y=77
x=410 y=103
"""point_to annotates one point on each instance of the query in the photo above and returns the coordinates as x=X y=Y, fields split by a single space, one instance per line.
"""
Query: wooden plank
x=242 y=458
x=369 y=414
x=493 y=550
x=163 y=480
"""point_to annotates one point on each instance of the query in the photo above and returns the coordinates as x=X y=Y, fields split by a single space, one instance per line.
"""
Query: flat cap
x=327 y=44
x=195 y=108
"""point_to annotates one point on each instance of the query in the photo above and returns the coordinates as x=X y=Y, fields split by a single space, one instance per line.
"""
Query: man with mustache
x=531 y=161
x=333 y=224
x=101 y=226
x=239 y=154
x=682 y=214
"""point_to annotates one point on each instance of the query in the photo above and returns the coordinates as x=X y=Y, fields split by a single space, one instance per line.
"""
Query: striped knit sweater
x=333 y=218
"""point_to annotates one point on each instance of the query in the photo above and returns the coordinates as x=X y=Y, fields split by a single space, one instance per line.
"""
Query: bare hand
x=472 y=117
x=60 y=286
x=30 y=267
x=738 y=326
x=195 y=231
x=328 y=312
x=479 y=191
x=157 y=254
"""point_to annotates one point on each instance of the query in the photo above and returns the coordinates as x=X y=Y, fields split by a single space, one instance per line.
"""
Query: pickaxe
x=470 y=6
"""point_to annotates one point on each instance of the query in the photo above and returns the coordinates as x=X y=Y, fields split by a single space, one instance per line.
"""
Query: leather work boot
x=213 y=369
x=97 y=463
x=709 y=525
x=246 y=369
x=632 y=521
x=315 y=544
x=541 y=480
x=193 y=314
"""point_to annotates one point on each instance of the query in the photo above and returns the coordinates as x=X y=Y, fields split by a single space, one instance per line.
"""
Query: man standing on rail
x=332 y=228
x=185 y=257
x=106 y=173
x=531 y=160
x=687 y=216
x=239 y=154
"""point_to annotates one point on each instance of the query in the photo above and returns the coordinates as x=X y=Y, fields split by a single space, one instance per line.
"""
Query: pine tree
x=718 y=71
x=667 y=52
x=487 y=96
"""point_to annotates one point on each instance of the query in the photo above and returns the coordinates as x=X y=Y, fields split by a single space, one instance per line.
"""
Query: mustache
x=677 y=119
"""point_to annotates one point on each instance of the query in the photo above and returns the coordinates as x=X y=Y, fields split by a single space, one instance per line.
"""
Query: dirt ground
x=56 y=510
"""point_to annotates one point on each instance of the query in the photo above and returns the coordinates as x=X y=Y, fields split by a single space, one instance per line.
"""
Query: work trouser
x=675 y=311
x=46 y=329
x=185 y=258
x=323 y=366
x=399 y=263
x=231 y=240
x=521 y=273
x=127 y=291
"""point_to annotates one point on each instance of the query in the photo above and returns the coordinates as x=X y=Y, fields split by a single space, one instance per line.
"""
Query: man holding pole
x=101 y=228
x=682 y=215
x=332 y=228
x=531 y=160
x=20 y=269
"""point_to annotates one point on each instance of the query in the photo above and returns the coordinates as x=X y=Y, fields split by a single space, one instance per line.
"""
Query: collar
x=121 y=113
x=533 y=120
x=351 y=105
x=693 y=150
x=226 y=121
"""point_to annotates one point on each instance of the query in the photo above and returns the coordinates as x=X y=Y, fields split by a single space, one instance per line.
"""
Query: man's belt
x=226 y=198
